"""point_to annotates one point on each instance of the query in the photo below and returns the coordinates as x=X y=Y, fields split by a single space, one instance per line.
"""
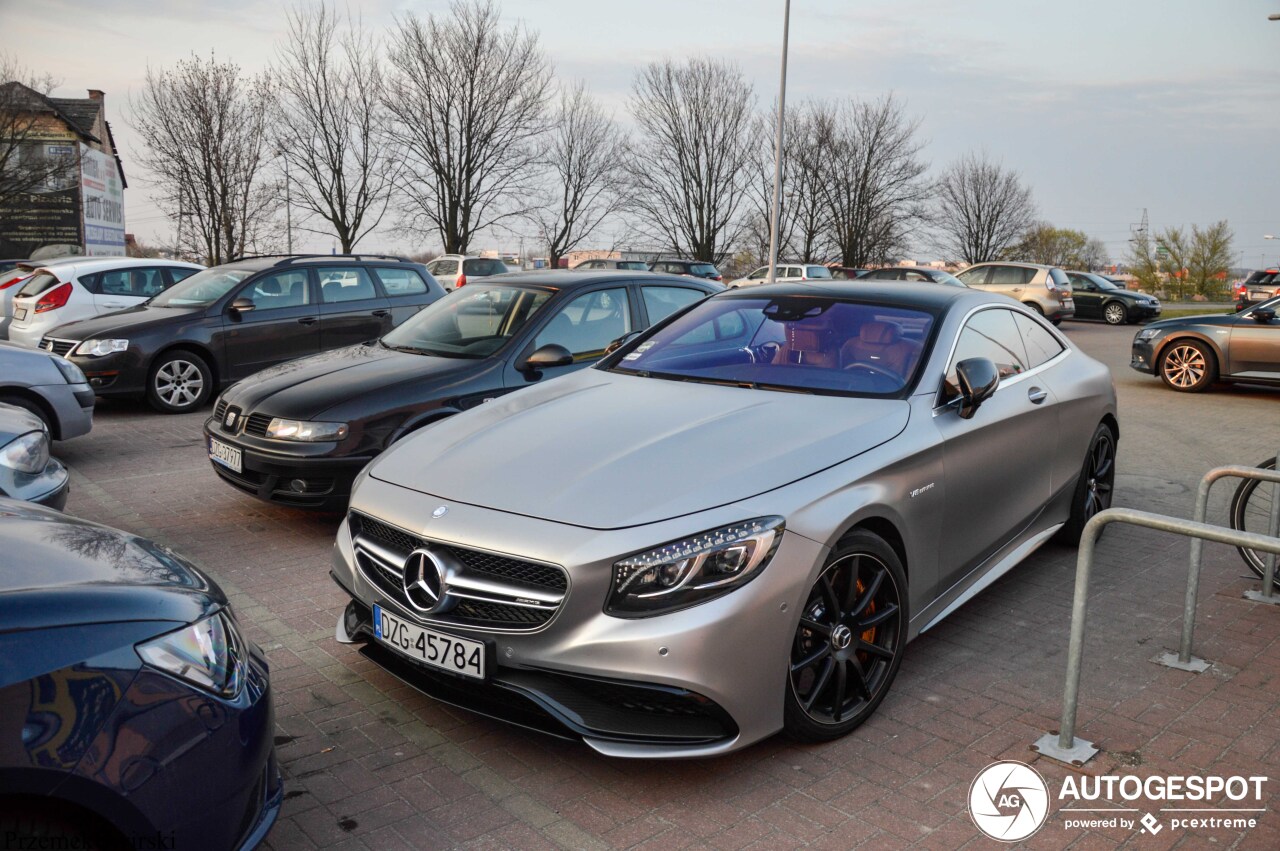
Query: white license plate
x=20 y=314
x=227 y=456
x=1069 y=302
x=446 y=652
x=1260 y=295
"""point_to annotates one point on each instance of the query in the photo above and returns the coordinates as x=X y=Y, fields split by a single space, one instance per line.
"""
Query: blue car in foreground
x=133 y=714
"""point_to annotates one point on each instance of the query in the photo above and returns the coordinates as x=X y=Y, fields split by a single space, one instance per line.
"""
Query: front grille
x=489 y=590
x=219 y=410
x=257 y=424
x=58 y=347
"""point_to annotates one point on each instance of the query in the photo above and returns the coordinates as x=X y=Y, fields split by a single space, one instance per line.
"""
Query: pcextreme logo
x=1008 y=801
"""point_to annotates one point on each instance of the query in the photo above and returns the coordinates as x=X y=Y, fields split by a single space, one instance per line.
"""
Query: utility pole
x=177 y=249
x=288 y=202
x=776 y=206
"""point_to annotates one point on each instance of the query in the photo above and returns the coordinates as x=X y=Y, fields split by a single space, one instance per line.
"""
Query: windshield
x=473 y=322
x=706 y=270
x=814 y=344
x=201 y=289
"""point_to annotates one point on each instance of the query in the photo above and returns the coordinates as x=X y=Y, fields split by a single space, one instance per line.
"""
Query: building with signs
x=64 y=193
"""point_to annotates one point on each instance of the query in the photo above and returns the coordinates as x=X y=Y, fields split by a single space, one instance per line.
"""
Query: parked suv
x=55 y=295
x=231 y=321
x=1044 y=289
x=454 y=270
x=786 y=273
x=1262 y=285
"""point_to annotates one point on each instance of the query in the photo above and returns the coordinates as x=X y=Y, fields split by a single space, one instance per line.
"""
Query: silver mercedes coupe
x=733 y=524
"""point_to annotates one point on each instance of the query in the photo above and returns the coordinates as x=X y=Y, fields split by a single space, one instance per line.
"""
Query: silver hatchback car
x=732 y=525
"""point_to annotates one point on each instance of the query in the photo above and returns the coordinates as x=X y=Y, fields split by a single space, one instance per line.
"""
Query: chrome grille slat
x=502 y=593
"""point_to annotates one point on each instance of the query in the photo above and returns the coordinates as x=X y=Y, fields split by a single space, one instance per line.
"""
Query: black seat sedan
x=298 y=434
x=230 y=321
x=1098 y=298
x=133 y=714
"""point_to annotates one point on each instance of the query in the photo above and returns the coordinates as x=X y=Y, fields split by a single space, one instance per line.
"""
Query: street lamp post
x=775 y=207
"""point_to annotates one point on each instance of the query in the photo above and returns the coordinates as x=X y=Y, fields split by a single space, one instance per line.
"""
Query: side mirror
x=620 y=342
x=243 y=305
x=546 y=357
x=978 y=379
x=1264 y=315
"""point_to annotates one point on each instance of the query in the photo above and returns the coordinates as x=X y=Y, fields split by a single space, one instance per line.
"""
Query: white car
x=787 y=273
x=11 y=282
x=454 y=270
x=57 y=294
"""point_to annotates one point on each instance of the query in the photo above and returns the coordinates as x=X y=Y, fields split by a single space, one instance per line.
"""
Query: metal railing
x=1064 y=746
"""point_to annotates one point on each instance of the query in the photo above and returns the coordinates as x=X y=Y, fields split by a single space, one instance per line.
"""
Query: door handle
x=306 y=320
x=1036 y=395
x=382 y=313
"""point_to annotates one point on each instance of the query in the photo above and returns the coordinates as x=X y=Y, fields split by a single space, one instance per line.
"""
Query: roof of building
x=80 y=114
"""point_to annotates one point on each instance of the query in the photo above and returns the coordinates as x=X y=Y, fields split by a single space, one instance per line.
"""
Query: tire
x=1035 y=306
x=1187 y=366
x=1251 y=512
x=838 y=676
x=27 y=405
x=179 y=382
x=1055 y=322
x=1095 y=486
x=1115 y=313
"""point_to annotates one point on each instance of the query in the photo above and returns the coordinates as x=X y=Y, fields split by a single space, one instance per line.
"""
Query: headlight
x=98 y=348
x=691 y=571
x=28 y=454
x=208 y=653
x=69 y=371
x=1147 y=334
x=301 y=430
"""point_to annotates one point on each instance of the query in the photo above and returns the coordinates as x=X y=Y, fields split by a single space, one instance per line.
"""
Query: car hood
x=60 y=570
x=307 y=387
x=1221 y=320
x=607 y=451
x=123 y=322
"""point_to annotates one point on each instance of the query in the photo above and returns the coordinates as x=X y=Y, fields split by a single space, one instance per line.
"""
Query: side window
x=401 y=281
x=762 y=272
x=1010 y=275
x=1041 y=345
x=589 y=323
x=179 y=273
x=344 y=283
x=661 y=302
x=990 y=334
x=445 y=267
x=283 y=289
x=915 y=276
x=142 y=283
x=974 y=277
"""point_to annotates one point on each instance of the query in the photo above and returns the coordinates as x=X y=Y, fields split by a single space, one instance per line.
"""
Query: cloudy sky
x=1106 y=107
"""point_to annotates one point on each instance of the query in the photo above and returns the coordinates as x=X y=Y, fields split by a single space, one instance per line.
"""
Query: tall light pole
x=776 y=206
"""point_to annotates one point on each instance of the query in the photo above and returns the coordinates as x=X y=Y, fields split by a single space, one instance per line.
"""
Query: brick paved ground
x=371 y=764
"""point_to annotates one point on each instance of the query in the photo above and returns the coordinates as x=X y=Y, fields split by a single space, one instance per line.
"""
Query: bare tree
x=26 y=165
x=982 y=209
x=583 y=160
x=205 y=128
x=332 y=123
x=803 y=219
x=468 y=102
x=691 y=161
x=872 y=177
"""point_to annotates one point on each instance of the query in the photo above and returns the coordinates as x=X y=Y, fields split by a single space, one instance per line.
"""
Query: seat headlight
x=693 y=570
x=98 y=348
x=27 y=454
x=209 y=654
x=281 y=429
x=1147 y=334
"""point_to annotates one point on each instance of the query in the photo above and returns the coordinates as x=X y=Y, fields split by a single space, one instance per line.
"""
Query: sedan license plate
x=1260 y=295
x=227 y=456
x=446 y=652
x=20 y=314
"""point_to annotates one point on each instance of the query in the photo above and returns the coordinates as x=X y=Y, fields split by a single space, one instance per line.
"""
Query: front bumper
x=1142 y=357
x=50 y=487
x=274 y=476
x=697 y=682
x=1143 y=311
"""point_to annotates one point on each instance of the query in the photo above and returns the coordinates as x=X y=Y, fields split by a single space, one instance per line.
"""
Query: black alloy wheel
x=848 y=645
x=1096 y=485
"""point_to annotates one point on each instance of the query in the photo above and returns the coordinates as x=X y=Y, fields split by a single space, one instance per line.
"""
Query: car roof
x=285 y=261
x=92 y=264
x=567 y=279
x=1012 y=263
x=898 y=293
